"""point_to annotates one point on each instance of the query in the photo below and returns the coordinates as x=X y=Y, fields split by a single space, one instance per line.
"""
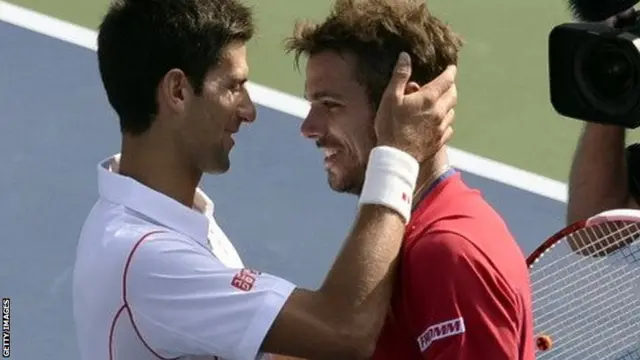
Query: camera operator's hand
x=624 y=18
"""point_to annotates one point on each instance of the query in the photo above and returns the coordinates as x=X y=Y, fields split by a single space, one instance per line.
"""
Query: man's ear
x=411 y=87
x=174 y=90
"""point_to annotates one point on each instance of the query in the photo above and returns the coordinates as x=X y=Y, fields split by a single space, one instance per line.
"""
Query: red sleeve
x=460 y=307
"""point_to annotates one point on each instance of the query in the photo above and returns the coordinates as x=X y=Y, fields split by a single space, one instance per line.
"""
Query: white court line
x=294 y=106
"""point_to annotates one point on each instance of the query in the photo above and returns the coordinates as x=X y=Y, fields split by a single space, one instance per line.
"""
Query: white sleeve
x=185 y=302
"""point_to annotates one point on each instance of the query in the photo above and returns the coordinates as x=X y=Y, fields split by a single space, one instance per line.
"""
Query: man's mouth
x=328 y=153
x=230 y=134
x=329 y=156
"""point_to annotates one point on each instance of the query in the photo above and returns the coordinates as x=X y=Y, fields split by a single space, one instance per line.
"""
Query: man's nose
x=313 y=126
x=247 y=109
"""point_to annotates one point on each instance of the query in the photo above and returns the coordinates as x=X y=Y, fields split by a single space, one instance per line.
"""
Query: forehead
x=233 y=61
x=329 y=70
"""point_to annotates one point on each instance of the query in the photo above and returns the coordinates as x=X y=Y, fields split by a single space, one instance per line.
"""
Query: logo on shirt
x=440 y=331
x=245 y=279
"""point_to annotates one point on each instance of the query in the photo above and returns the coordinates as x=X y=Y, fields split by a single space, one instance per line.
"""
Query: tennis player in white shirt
x=155 y=277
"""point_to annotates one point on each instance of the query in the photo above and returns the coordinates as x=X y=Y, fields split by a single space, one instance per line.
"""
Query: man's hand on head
x=418 y=122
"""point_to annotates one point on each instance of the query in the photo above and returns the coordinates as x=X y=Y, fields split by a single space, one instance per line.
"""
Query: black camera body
x=594 y=68
x=594 y=72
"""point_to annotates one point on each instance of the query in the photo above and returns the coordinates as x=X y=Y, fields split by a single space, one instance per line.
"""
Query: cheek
x=213 y=117
x=365 y=145
x=202 y=127
x=360 y=136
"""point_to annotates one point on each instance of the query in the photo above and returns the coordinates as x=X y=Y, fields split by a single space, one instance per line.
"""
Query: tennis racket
x=586 y=289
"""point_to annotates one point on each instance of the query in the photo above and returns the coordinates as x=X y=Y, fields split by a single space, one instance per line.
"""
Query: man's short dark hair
x=375 y=32
x=139 y=41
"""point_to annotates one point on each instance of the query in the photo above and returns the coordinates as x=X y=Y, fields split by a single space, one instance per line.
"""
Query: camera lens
x=609 y=73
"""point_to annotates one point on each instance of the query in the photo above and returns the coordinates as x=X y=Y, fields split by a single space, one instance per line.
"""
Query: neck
x=156 y=163
x=430 y=171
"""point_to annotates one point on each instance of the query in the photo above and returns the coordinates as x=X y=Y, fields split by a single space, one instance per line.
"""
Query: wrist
x=604 y=129
x=604 y=138
x=403 y=146
x=390 y=180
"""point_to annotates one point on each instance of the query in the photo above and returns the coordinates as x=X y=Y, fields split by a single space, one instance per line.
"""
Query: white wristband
x=390 y=180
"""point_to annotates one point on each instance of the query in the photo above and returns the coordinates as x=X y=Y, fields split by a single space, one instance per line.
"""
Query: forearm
x=342 y=319
x=598 y=179
x=367 y=259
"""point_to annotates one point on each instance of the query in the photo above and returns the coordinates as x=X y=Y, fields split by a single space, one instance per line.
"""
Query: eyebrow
x=239 y=74
x=241 y=78
x=321 y=94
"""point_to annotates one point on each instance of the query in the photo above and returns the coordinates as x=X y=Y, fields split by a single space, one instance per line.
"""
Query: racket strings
x=570 y=333
x=590 y=238
x=589 y=305
x=597 y=268
x=607 y=347
x=575 y=268
x=570 y=274
x=589 y=270
x=598 y=347
x=550 y=324
x=587 y=336
x=606 y=332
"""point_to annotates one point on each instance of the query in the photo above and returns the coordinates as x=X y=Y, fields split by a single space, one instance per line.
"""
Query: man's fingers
x=400 y=76
x=444 y=103
x=447 y=128
x=448 y=120
x=438 y=86
x=446 y=137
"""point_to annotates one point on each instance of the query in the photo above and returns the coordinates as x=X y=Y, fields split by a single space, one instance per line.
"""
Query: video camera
x=594 y=67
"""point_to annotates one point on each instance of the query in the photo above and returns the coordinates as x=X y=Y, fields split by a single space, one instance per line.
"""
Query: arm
x=341 y=320
x=598 y=179
x=185 y=302
x=460 y=308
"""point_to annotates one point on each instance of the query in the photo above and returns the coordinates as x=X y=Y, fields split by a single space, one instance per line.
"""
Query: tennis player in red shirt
x=463 y=288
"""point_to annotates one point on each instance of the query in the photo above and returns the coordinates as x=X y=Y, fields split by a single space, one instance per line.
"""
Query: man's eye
x=236 y=86
x=330 y=105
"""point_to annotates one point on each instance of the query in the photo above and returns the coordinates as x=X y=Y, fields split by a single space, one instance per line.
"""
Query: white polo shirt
x=154 y=279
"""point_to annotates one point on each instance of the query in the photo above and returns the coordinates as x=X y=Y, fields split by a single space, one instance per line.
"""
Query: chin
x=345 y=184
x=217 y=165
x=216 y=171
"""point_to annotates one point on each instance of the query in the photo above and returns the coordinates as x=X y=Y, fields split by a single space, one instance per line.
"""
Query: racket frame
x=605 y=216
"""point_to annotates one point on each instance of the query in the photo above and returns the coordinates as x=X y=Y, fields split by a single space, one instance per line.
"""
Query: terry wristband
x=390 y=180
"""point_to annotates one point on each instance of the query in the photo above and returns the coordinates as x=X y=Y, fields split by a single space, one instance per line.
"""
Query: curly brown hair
x=375 y=32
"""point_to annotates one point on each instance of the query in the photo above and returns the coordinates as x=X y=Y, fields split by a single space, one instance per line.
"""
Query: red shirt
x=463 y=290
